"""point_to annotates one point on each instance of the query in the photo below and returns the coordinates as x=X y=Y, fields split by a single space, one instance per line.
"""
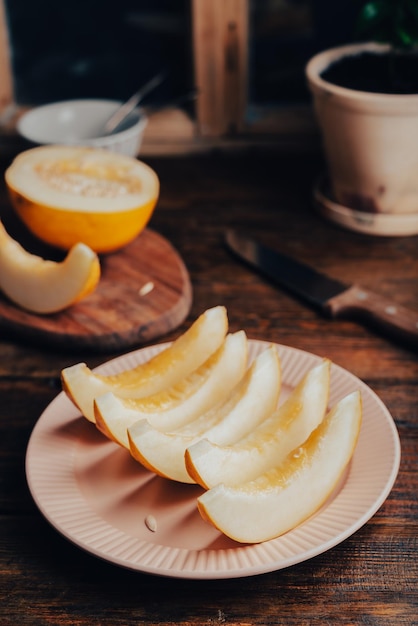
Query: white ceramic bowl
x=81 y=122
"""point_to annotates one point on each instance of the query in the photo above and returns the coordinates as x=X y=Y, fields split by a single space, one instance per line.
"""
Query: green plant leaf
x=390 y=21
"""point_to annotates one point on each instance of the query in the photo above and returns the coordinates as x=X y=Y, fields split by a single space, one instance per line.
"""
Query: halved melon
x=44 y=286
x=69 y=194
x=209 y=463
x=251 y=401
x=211 y=383
x=286 y=495
x=167 y=368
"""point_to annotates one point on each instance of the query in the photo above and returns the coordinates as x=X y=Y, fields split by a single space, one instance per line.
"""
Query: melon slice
x=209 y=463
x=43 y=286
x=251 y=401
x=287 y=494
x=165 y=369
x=210 y=384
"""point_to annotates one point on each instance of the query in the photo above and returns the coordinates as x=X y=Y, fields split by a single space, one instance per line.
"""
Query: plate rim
x=190 y=567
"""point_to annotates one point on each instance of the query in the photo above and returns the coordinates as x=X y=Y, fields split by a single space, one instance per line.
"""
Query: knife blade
x=334 y=298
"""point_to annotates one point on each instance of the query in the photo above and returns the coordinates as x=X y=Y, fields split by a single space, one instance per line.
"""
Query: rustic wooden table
x=371 y=578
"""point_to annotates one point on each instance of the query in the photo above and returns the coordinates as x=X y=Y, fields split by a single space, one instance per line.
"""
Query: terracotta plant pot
x=371 y=148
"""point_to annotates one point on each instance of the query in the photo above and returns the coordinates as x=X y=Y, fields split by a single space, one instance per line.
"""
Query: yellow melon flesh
x=289 y=493
x=167 y=368
x=211 y=383
x=71 y=194
x=251 y=401
x=43 y=286
x=209 y=463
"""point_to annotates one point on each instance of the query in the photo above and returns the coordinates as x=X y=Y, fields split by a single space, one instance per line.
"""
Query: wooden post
x=220 y=40
x=6 y=83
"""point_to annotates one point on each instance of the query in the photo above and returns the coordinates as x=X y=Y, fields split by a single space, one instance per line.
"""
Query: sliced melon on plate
x=209 y=463
x=165 y=369
x=210 y=384
x=286 y=495
x=251 y=401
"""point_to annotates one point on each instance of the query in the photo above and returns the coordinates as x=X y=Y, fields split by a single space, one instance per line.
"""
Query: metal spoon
x=123 y=111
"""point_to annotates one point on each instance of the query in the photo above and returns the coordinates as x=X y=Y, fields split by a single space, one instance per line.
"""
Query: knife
x=332 y=297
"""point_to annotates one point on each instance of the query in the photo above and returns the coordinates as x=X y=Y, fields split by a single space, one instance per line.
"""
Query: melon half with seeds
x=69 y=194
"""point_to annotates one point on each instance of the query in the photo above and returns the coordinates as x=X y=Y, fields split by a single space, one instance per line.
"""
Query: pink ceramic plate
x=98 y=497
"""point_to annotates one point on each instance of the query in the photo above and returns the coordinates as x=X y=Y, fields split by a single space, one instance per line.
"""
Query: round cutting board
x=144 y=292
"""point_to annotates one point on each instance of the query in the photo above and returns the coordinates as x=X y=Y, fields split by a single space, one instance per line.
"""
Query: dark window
x=284 y=34
x=98 y=48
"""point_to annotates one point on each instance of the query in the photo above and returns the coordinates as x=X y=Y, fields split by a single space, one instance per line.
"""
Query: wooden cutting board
x=144 y=293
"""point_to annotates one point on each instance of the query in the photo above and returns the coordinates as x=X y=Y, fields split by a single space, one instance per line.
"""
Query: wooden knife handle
x=381 y=313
